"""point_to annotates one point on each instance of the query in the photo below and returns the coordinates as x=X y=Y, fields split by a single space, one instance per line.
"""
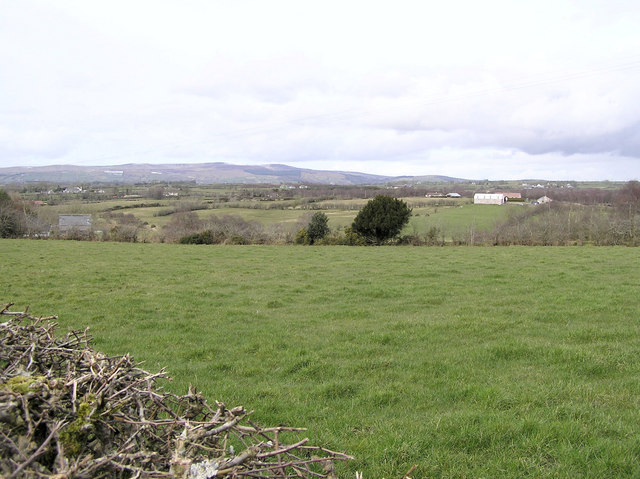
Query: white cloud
x=490 y=89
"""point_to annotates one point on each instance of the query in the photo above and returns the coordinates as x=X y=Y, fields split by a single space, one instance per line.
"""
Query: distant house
x=489 y=199
x=544 y=199
x=453 y=195
x=512 y=196
x=79 y=223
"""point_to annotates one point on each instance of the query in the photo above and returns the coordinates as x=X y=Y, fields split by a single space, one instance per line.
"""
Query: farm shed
x=511 y=195
x=79 y=223
x=489 y=199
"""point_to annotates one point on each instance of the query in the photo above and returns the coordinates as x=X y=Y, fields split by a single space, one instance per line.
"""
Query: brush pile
x=69 y=411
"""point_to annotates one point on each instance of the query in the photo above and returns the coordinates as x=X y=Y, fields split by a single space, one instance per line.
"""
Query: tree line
x=611 y=217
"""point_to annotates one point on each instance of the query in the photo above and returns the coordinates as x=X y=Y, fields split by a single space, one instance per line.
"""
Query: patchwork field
x=469 y=362
x=451 y=217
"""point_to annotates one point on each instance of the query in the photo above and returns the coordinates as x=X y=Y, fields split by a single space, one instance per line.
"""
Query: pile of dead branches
x=69 y=411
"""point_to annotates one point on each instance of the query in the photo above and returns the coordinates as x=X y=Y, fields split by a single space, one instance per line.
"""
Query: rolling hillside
x=202 y=173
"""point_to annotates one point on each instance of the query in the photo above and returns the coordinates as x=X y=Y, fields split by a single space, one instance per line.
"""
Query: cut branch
x=67 y=410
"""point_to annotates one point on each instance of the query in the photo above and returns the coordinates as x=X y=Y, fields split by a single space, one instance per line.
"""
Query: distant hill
x=203 y=173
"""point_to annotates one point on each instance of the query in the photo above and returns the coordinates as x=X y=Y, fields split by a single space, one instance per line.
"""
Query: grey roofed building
x=80 y=223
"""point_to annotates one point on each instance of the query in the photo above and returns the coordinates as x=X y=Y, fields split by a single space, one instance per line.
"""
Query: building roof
x=74 y=220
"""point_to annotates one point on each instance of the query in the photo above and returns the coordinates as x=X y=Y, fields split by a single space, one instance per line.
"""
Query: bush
x=302 y=237
x=237 y=239
x=318 y=227
x=5 y=199
x=628 y=198
x=12 y=218
x=124 y=233
x=11 y=223
x=182 y=224
x=566 y=224
x=204 y=237
x=348 y=238
x=432 y=236
x=352 y=238
x=410 y=240
x=237 y=230
x=381 y=219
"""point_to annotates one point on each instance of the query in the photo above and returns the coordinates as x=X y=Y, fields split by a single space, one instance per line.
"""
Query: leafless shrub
x=560 y=223
x=237 y=230
x=181 y=224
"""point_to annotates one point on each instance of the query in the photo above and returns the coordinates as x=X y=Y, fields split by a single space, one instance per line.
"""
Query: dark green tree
x=11 y=219
x=381 y=219
x=318 y=227
x=10 y=223
x=5 y=199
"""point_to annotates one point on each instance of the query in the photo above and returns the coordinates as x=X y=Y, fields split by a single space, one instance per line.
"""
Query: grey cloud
x=561 y=120
x=624 y=141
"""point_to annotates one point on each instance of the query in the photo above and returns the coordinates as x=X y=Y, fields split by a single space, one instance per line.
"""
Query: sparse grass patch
x=470 y=362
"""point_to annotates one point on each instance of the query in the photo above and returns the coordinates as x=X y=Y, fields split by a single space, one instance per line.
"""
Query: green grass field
x=458 y=220
x=469 y=362
x=455 y=219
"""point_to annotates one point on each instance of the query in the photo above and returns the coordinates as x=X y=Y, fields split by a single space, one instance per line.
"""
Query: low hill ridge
x=202 y=173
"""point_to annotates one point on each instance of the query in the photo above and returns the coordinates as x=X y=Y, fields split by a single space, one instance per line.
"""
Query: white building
x=489 y=199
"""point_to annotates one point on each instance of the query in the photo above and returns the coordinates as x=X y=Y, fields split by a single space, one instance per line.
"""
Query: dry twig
x=70 y=411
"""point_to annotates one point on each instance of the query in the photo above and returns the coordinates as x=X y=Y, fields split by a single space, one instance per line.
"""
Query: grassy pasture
x=470 y=362
x=455 y=218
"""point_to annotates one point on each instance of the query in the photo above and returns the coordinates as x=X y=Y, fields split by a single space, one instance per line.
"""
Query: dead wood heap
x=67 y=411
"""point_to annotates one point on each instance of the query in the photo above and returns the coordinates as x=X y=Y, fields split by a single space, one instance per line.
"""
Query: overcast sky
x=475 y=89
